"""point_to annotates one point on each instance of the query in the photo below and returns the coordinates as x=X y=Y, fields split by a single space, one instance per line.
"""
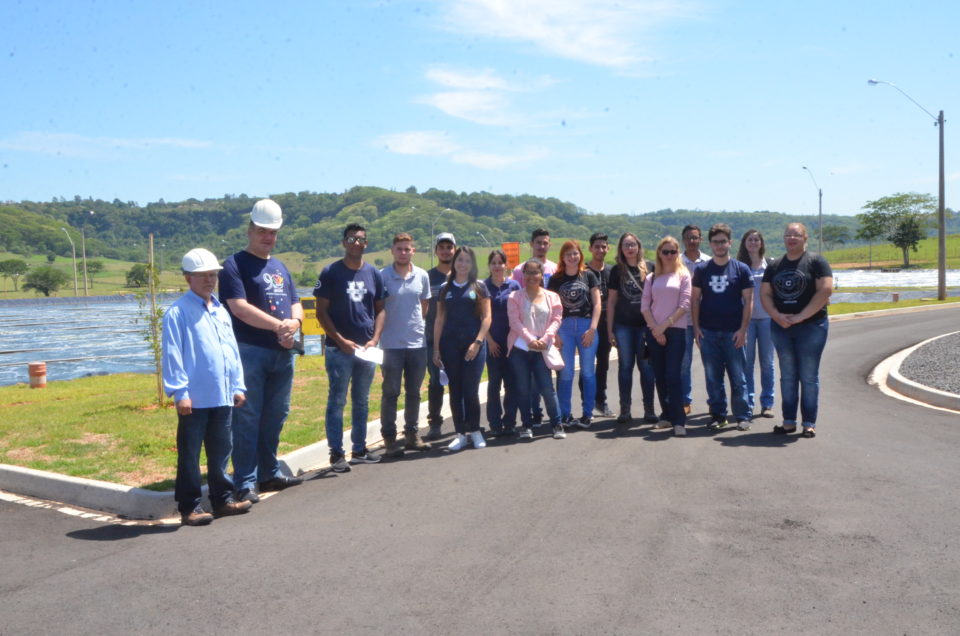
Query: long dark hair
x=471 y=277
x=742 y=254
x=622 y=262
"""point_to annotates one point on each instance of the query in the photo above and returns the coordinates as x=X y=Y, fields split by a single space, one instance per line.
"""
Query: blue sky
x=617 y=106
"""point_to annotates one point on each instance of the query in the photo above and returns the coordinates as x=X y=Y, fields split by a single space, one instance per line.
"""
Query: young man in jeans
x=721 y=302
x=399 y=331
x=444 y=247
x=349 y=296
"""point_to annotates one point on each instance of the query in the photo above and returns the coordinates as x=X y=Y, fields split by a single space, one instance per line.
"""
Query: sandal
x=809 y=432
x=780 y=430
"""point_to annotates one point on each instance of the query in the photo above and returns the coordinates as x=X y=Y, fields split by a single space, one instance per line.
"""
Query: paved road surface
x=853 y=532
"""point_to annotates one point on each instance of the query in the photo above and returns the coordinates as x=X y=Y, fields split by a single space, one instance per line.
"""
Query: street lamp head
x=873 y=82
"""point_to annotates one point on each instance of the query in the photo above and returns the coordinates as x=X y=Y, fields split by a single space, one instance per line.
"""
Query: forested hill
x=313 y=222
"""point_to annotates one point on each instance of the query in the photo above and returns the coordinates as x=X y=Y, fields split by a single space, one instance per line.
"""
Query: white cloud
x=419 y=143
x=80 y=146
x=472 y=80
x=481 y=107
x=602 y=32
x=438 y=144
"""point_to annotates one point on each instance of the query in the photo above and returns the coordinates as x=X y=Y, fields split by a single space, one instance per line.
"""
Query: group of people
x=229 y=366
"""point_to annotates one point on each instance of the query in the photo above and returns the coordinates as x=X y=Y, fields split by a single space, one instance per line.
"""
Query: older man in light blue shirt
x=203 y=374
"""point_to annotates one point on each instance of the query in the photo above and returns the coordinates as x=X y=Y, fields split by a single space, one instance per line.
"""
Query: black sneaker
x=246 y=494
x=624 y=416
x=339 y=463
x=649 y=416
x=717 y=422
x=584 y=422
x=364 y=457
x=279 y=483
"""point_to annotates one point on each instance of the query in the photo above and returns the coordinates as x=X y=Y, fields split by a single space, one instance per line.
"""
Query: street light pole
x=76 y=292
x=941 y=206
x=819 y=208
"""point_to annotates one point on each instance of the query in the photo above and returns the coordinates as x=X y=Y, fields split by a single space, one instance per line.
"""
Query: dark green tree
x=137 y=276
x=94 y=267
x=13 y=268
x=834 y=235
x=45 y=280
x=905 y=218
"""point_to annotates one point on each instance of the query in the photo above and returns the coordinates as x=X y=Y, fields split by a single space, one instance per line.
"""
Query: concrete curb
x=137 y=503
x=915 y=391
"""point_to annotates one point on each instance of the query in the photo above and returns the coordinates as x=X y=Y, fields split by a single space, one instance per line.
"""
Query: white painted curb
x=915 y=391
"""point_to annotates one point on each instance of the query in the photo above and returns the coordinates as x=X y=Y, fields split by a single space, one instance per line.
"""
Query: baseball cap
x=266 y=213
x=445 y=236
x=200 y=260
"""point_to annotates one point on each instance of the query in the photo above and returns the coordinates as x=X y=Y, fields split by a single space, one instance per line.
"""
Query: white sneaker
x=526 y=433
x=458 y=443
x=476 y=438
x=558 y=432
x=680 y=431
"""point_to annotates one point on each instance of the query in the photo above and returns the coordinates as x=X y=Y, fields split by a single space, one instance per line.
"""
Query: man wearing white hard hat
x=203 y=374
x=260 y=295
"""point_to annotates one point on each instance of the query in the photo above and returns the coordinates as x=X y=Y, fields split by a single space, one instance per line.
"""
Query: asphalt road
x=853 y=532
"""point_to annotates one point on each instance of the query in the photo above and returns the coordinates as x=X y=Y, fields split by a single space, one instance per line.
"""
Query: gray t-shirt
x=404 y=326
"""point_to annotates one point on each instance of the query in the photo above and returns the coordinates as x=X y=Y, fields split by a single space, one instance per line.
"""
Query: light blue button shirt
x=200 y=356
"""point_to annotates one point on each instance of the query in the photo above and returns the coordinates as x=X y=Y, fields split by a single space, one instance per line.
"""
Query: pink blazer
x=518 y=330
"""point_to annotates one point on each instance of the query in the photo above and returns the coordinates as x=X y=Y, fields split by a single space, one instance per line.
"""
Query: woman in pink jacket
x=665 y=301
x=535 y=314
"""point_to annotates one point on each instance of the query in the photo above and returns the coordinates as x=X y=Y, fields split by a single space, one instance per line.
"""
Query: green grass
x=886 y=255
x=109 y=427
x=837 y=309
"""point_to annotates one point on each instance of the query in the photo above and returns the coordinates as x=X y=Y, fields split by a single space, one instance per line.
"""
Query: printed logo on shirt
x=274 y=283
x=789 y=285
x=719 y=283
x=356 y=289
x=573 y=293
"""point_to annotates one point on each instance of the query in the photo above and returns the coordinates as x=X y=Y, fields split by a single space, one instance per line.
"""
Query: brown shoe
x=198 y=517
x=686 y=409
x=392 y=448
x=231 y=507
x=414 y=442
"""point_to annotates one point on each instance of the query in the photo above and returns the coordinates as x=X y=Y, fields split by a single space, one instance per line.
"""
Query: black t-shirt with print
x=629 y=287
x=794 y=283
x=575 y=292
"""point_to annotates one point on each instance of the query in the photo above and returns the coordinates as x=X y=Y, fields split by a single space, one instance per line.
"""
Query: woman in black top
x=625 y=324
x=463 y=319
x=795 y=291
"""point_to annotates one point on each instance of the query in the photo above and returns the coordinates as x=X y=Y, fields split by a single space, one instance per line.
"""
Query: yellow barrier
x=311 y=326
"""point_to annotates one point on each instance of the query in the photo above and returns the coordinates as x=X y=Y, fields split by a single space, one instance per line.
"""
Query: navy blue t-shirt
x=721 y=293
x=462 y=320
x=437 y=279
x=499 y=321
x=264 y=283
x=352 y=295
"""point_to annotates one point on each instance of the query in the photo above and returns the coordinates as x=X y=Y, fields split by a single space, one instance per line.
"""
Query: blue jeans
x=210 y=427
x=631 y=350
x=501 y=415
x=571 y=332
x=719 y=354
x=666 y=360
x=342 y=370
x=758 y=337
x=464 y=382
x=685 y=368
x=268 y=374
x=799 y=349
x=532 y=376
x=408 y=366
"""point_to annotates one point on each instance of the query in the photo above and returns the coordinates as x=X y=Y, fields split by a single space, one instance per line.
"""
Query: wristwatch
x=478 y=342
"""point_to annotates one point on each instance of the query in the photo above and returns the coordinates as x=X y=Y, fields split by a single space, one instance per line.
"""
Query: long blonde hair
x=659 y=267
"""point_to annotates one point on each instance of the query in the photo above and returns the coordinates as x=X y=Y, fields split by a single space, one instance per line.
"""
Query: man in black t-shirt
x=599 y=245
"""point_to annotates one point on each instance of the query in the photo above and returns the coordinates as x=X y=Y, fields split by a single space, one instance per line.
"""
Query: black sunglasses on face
x=668 y=252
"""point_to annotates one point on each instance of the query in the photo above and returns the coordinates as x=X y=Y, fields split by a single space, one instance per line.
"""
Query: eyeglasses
x=668 y=252
x=361 y=240
x=631 y=244
x=719 y=241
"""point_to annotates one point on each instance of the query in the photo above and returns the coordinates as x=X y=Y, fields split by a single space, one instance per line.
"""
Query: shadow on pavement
x=117 y=532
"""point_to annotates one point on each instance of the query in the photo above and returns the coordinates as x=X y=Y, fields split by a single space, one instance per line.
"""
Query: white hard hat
x=200 y=260
x=266 y=213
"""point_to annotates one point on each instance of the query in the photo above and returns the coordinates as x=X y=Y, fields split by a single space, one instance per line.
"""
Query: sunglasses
x=357 y=240
x=668 y=252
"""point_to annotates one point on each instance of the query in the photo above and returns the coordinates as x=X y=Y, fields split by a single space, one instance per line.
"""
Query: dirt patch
x=100 y=439
x=27 y=455
x=145 y=475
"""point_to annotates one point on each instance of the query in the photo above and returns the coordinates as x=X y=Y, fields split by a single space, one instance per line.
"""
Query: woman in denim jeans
x=795 y=291
x=501 y=415
x=666 y=302
x=752 y=249
x=535 y=314
x=579 y=292
x=625 y=325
